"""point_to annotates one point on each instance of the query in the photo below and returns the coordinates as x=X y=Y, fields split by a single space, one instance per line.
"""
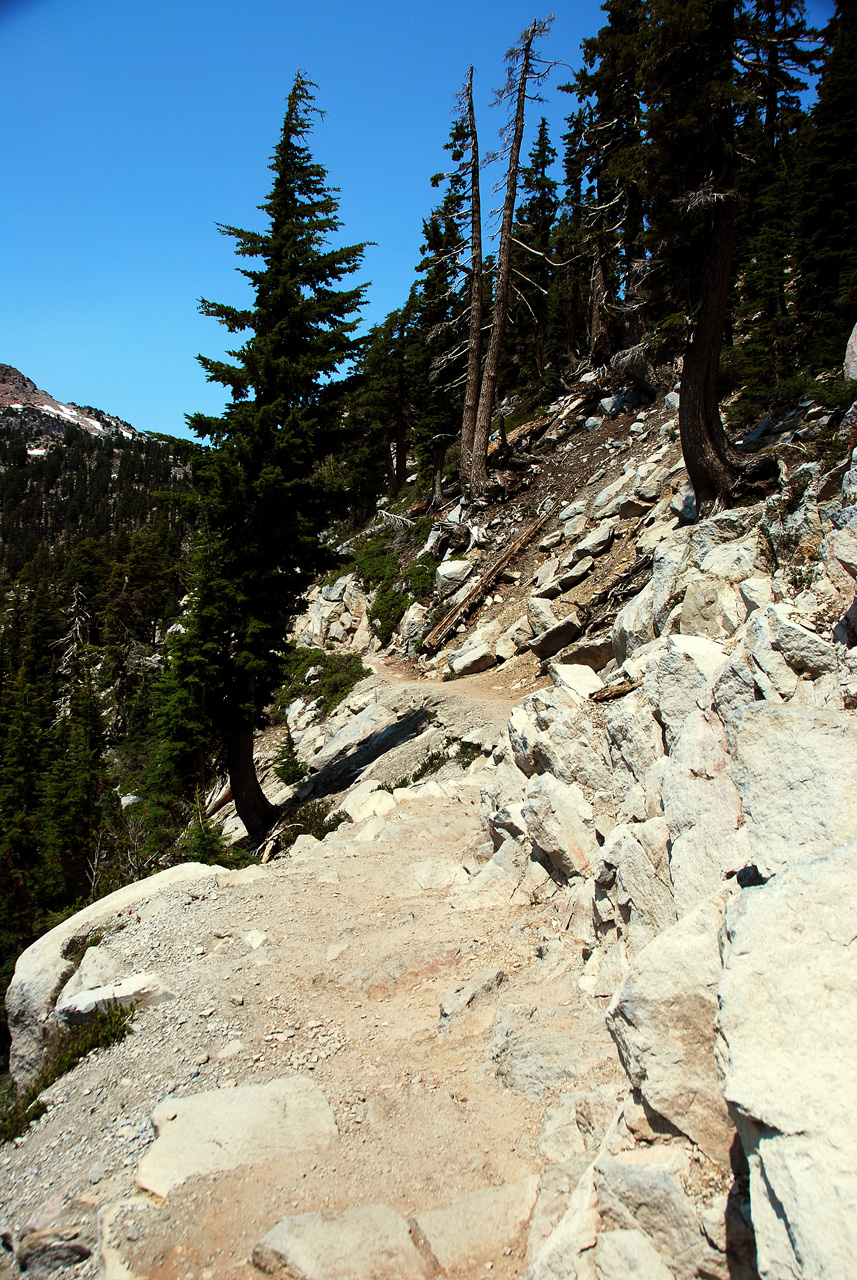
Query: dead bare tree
x=521 y=63
x=474 y=340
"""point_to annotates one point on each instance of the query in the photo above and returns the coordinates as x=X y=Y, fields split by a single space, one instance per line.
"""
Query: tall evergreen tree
x=532 y=263
x=263 y=500
x=689 y=80
x=774 y=52
x=827 y=240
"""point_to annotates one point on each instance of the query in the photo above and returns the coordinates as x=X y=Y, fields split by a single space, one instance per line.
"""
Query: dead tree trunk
x=487 y=393
x=474 y=338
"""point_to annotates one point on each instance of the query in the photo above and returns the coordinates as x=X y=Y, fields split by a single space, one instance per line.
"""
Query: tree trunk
x=714 y=465
x=253 y=806
x=599 y=336
x=488 y=390
x=474 y=338
x=401 y=456
x=437 y=473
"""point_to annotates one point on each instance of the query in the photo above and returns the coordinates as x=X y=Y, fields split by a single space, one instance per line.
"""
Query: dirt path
x=331 y=967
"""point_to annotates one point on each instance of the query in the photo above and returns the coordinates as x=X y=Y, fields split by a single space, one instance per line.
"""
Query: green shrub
x=202 y=840
x=339 y=673
x=311 y=819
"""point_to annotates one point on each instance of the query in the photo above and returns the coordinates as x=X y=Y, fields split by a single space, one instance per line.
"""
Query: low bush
x=336 y=676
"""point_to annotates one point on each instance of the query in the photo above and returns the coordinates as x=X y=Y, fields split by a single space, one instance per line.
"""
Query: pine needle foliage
x=263 y=497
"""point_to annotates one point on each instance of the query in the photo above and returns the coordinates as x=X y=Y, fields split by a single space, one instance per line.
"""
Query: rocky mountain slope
x=577 y=1002
x=22 y=401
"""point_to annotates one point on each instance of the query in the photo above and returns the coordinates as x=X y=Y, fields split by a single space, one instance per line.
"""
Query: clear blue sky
x=129 y=128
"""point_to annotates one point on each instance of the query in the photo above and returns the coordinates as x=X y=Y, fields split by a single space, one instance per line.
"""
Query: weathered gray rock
x=711 y=607
x=555 y=813
x=44 y=967
x=788 y=1052
x=635 y=735
x=540 y=615
x=568 y=578
x=732 y=561
x=662 y=1020
x=478 y=1225
x=808 y=756
x=594 y=544
x=477 y=658
x=561 y=1138
x=413 y=625
x=136 y=991
x=513 y=638
x=335 y=591
x=593 y=651
x=643 y=885
x=549 y=642
x=450 y=575
x=572 y=510
x=684 y=502
x=368 y=1242
x=641 y=1190
x=756 y=593
x=359 y=730
x=634 y=625
x=849 y=365
x=733 y=686
x=546 y=572
x=702 y=807
x=677 y=682
x=843 y=544
x=803 y=650
x=772 y=674
x=568 y=1252
x=457 y=999
x=578 y=680
x=572 y=526
x=207 y=1133
x=622 y=1254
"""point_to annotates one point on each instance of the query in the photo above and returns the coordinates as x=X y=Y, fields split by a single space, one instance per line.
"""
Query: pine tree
x=827 y=238
x=609 y=87
x=774 y=52
x=264 y=498
x=532 y=264
x=689 y=81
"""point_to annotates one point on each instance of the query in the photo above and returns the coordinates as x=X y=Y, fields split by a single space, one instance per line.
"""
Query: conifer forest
x=699 y=212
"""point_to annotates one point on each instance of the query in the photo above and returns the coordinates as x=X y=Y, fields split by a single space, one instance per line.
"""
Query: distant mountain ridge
x=19 y=393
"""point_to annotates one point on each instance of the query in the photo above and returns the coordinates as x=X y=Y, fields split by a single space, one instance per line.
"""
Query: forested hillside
x=91 y=541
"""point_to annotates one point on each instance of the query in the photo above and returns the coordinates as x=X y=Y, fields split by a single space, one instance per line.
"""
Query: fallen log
x=438 y=634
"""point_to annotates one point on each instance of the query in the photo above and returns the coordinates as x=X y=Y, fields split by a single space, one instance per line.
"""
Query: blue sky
x=129 y=129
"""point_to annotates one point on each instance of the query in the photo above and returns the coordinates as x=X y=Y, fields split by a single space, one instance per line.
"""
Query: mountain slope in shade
x=18 y=392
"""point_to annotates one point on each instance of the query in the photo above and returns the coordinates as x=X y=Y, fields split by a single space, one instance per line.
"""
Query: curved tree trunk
x=254 y=808
x=714 y=465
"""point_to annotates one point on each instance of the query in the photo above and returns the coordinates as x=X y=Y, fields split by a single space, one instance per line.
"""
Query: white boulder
x=788 y=1051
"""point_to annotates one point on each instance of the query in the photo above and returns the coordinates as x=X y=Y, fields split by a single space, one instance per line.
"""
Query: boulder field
x=578 y=1004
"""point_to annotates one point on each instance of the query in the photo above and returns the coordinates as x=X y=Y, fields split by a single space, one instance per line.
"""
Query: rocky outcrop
x=44 y=969
x=788 y=1054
